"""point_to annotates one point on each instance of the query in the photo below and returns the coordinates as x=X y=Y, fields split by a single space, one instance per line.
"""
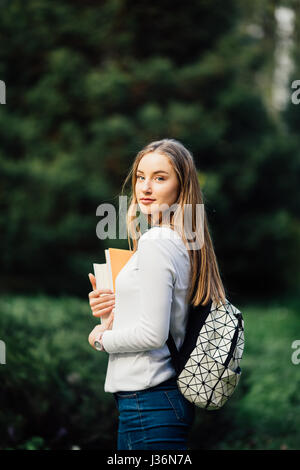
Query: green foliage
x=35 y=443
x=95 y=83
x=52 y=385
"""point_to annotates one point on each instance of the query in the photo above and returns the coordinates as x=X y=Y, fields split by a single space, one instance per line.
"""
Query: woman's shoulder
x=166 y=238
x=160 y=232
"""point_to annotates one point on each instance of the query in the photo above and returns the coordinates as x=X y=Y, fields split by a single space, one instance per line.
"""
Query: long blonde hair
x=205 y=280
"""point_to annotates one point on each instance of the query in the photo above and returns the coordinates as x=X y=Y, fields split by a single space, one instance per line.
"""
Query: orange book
x=106 y=273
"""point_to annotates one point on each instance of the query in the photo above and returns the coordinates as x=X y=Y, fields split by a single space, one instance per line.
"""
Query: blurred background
x=87 y=85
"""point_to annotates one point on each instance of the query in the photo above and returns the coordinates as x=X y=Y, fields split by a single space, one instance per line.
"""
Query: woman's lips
x=147 y=201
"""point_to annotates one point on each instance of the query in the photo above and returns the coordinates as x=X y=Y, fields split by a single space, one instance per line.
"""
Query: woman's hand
x=95 y=333
x=102 y=303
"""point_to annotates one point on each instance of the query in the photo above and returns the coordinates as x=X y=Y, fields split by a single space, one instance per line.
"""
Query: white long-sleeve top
x=150 y=298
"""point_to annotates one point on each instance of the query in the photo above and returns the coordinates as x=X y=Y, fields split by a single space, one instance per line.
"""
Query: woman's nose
x=146 y=185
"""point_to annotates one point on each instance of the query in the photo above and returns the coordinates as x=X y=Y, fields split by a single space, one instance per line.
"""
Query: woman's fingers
x=92 y=281
x=101 y=301
x=99 y=306
x=103 y=311
x=96 y=293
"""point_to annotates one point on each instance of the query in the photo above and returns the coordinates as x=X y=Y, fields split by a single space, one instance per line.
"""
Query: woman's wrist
x=98 y=342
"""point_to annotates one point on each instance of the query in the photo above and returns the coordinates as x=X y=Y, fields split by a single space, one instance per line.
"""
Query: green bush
x=96 y=81
x=52 y=385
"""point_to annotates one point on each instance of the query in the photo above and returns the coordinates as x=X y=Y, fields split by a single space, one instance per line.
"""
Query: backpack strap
x=196 y=319
x=239 y=327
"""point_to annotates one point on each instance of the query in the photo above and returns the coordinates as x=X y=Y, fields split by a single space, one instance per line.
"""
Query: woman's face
x=157 y=180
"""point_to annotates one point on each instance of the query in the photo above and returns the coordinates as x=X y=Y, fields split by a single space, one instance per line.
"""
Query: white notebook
x=106 y=273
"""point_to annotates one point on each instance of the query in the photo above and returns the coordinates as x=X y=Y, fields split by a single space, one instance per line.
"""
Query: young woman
x=165 y=273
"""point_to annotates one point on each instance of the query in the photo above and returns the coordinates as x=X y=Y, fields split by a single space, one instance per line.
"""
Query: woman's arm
x=156 y=278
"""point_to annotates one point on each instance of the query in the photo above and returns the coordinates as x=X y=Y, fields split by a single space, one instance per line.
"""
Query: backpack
x=208 y=363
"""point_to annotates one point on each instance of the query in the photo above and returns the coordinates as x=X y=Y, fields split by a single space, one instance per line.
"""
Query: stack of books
x=106 y=273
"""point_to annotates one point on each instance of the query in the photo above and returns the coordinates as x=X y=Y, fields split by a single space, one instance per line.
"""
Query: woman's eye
x=160 y=177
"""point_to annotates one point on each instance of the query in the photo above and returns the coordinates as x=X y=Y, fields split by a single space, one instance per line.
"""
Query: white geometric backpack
x=208 y=363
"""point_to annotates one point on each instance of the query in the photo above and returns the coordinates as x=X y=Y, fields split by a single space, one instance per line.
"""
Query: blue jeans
x=156 y=418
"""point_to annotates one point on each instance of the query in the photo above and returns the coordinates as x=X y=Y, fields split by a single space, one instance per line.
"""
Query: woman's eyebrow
x=154 y=172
